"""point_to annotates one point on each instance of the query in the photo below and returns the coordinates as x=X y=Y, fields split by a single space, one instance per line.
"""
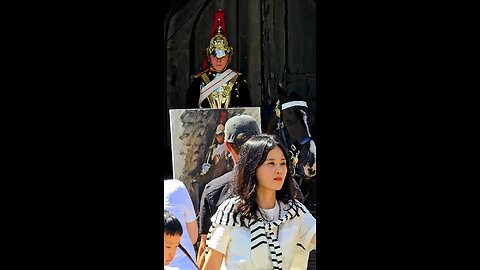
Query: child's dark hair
x=172 y=225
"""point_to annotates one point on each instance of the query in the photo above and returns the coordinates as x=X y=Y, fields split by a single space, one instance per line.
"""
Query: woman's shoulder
x=295 y=205
x=225 y=213
x=229 y=203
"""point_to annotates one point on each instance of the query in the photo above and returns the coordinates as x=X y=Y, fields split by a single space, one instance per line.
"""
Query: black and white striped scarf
x=262 y=233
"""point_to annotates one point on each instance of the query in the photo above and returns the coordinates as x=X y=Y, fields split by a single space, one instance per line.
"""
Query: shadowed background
x=274 y=42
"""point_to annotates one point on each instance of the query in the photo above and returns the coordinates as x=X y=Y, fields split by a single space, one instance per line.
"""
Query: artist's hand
x=205 y=168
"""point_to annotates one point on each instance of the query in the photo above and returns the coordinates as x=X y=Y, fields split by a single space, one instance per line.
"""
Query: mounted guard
x=218 y=86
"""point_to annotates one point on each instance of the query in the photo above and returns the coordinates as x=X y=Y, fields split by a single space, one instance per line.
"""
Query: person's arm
x=201 y=250
x=192 y=228
x=190 y=218
x=217 y=245
x=204 y=220
x=213 y=260
x=308 y=231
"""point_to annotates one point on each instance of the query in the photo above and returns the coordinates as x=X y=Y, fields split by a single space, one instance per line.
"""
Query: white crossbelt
x=223 y=78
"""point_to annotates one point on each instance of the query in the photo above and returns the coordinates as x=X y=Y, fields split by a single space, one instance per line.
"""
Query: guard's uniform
x=232 y=94
x=218 y=89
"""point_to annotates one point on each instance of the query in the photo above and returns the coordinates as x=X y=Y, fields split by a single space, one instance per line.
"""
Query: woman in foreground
x=263 y=227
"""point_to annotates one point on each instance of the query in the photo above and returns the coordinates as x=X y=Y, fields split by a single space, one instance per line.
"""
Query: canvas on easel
x=198 y=149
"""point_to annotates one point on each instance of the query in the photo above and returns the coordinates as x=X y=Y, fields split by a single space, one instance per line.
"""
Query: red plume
x=219 y=14
x=223 y=116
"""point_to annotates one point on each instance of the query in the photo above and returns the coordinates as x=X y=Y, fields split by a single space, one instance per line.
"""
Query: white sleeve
x=219 y=237
x=176 y=195
x=308 y=228
x=215 y=152
x=189 y=210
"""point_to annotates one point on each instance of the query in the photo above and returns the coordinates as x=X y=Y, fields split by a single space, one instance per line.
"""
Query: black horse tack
x=287 y=119
x=297 y=139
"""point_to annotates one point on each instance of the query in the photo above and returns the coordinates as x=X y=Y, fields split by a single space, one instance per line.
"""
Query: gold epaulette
x=236 y=71
x=200 y=74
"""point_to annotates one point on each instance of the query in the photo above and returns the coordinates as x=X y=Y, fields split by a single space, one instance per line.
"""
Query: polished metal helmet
x=219 y=44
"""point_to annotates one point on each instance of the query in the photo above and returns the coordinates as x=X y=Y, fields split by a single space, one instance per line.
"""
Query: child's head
x=171 y=236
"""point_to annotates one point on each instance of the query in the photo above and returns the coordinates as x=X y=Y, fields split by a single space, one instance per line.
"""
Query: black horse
x=287 y=118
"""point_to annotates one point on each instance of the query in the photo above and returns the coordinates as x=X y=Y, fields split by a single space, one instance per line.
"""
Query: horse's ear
x=295 y=96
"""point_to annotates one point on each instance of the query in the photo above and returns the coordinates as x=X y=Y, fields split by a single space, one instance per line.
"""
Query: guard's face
x=219 y=64
x=220 y=137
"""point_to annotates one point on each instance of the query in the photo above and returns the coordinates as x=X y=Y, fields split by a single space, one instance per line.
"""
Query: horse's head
x=297 y=137
x=287 y=117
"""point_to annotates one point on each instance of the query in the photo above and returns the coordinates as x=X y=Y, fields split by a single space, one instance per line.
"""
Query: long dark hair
x=253 y=154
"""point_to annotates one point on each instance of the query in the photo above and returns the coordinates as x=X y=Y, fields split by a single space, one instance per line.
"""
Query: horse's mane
x=267 y=114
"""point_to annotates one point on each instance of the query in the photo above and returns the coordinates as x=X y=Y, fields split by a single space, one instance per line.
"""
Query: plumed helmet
x=220 y=129
x=219 y=45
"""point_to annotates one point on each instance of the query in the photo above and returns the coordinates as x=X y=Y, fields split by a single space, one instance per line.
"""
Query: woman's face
x=219 y=64
x=271 y=174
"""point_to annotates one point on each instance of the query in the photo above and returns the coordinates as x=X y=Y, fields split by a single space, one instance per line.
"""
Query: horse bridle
x=283 y=133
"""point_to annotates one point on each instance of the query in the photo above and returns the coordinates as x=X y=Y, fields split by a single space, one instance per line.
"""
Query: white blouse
x=294 y=237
